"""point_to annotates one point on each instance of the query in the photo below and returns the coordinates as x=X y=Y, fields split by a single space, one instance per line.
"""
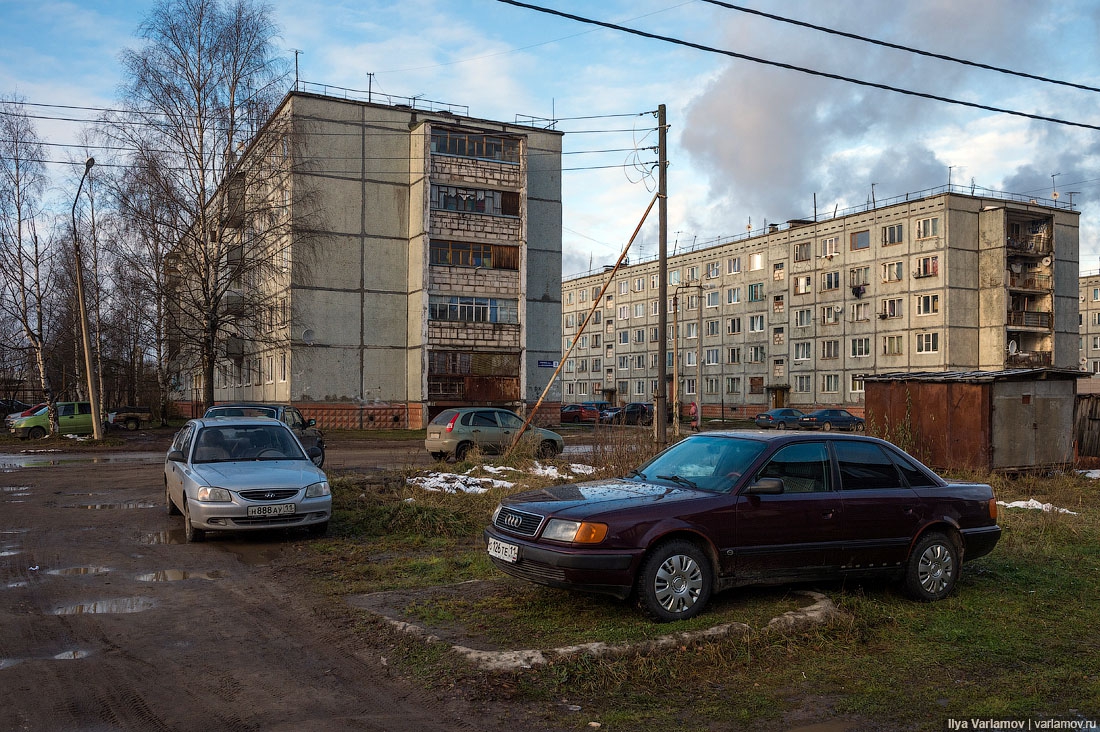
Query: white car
x=241 y=474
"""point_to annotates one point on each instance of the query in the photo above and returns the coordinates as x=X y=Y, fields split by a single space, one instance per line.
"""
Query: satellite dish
x=838 y=308
x=1012 y=348
x=1084 y=360
x=1016 y=267
x=1047 y=261
x=307 y=336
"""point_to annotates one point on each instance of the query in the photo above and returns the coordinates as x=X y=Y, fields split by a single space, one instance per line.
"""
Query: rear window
x=444 y=417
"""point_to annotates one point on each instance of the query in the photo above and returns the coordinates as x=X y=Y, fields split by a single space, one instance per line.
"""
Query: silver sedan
x=239 y=474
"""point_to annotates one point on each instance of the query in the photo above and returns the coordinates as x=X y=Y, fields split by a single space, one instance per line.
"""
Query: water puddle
x=71 y=655
x=16 y=585
x=78 y=571
x=63 y=656
x=8 y=463
x=113 y=506
x=5 y=532
x=15 y=490
x=168 y=536
x=101 y=607
x=175 y=575
x=10 y=553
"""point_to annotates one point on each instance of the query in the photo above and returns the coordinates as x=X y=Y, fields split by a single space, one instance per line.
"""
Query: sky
x=749 y=143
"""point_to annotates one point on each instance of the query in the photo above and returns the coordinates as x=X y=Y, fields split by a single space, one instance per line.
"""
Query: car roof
x=247 y=405
x=234 y=421
x=787 y=436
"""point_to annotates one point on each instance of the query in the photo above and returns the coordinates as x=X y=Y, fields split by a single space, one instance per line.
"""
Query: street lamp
x=93 y=395
x=676 y=352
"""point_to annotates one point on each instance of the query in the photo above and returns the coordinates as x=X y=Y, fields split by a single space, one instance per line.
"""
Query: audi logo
x=512 y=521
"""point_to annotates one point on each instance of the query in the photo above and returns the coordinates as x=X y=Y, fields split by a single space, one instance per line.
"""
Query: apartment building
x=1089 y=327
x=796 y=315
x=429 y=274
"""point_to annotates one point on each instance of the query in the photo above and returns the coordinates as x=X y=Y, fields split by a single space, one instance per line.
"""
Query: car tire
x=192 y=534
x=132 y=424
x=169 y=507
x=675 y=581
x=461 y=450
x=318 y=529
x=547 y=449
x=859 y=427
x=36 y=433
x=828 y=426
x=781 y=426
x=437 y=456
x=320 y=459
x=933 y=567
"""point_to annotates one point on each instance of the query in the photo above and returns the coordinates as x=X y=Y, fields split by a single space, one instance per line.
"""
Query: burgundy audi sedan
x=726 y=509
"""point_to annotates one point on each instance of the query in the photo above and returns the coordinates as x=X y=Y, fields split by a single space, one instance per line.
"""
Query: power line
x=899 y=47
x=792 y=67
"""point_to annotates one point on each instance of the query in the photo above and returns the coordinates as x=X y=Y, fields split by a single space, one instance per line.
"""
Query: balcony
x=1030 y=281
x=1030 y=319
x=1029 y=359
x=1041 y=243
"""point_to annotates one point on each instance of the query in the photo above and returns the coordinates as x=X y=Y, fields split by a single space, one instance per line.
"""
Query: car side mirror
x=313 y=452
x=311 y=423
x=176 y=456
x=766 y=487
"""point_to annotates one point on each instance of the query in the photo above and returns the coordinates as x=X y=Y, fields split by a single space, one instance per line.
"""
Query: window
x=779 y=271
x=891 y=271
x=691 y=330
x=712 y=357
x=830 y=281
x=733 y=266
x=830 y=383
x=639 y=284
x=582 y=365
x=473 y=200
x=778 y=337
x=733 y=385
x=693 y=273
x=654 y=335
x=583 y=295
x=829 y=247
x=861 y=311
x=777 y=303
x=624 y=337
x=756 y=261
x=639 y=335
x=653 y=360
x=803 y=383
x=859 y=276
x=466 y=254
x=733 y=326
x=803 y=284
x=803 y=318
x=891 y=234
x=757 y=354
x=714 y=328
x=639 y=361
x=624 y=362
x=891 y=308
x=473 y=309
x=830 y=314
x=582 y=388
x=803 y=351
x=733 y=295
x=596 y=364
x=756 y=292
x=474 y=145
x=860 y=240
x=779 y=367
x=803 y=252
x=928 y=304
x=639 y=387
x=583 y=342
x=861 y=347
x=891 y=345
x=928 y=342
x=654 y=282
x=654 y=307
x=855 y=385
x=674 y=277
x=639 y=310
x=756 y=323
x=734 y=355
x=624 y=312
x=693 y=302
x=689 y=386
x=714 y=299
x=1096 y=294
x=623 y=285
x=830 y=349
x=713 y=270
x=927 y=228
x=927 y=267
x=569 y=298
x=282 y=367
x=756 y=384
x=569 y=320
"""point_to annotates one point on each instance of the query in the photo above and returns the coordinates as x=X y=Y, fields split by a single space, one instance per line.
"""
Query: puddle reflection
x=63 y=656
x=175 y=575
x=119 y=605
x=112 y=506
x=76 y=571
x=8 y=463
x=168 y=536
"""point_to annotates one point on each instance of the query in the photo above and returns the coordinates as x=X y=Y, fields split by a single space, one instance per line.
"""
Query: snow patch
x=1031 y=503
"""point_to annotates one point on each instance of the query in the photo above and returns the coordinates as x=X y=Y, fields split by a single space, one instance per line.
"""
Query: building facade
x=428 y=276
x=797 y=314
x=1089 y=327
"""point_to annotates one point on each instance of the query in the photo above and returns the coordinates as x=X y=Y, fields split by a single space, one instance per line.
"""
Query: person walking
x=694 y=412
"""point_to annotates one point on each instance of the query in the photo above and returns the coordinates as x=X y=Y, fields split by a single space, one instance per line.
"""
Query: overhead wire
x=793 y=67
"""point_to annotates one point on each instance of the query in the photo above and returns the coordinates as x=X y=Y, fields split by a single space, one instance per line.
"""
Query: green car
x=457 y=431
x=73 y=418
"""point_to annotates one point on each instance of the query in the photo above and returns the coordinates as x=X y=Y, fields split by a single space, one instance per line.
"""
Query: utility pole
x=661 y=416
x=89 y=364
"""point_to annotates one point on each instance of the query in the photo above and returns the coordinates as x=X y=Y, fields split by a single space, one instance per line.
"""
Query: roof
x=1037 y=374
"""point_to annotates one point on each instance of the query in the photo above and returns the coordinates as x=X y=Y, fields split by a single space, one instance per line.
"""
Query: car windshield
x=710 y=463
x=246 y=443
x=242 y=412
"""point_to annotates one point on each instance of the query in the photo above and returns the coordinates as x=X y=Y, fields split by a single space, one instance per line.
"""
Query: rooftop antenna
x=1071 y=194
x=370 y=85
x=972 y=185
x=873 y=204
x=949 y=169
x=296 y=52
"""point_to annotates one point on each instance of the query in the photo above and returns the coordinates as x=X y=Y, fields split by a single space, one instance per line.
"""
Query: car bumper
x=608 y=572
x=980 y=542
x=233 y=516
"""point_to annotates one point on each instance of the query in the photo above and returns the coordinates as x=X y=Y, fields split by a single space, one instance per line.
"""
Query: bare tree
x=200 y=92
x=24 y=254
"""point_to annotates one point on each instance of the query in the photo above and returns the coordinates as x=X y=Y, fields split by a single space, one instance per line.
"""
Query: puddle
x=17 y=585
x=13 y=531
x=71 y=655
x=63 y=656
x=168 y=536
x=100 y=607
x=10 y=553
x=9 y=662
x=76 y=571
x=175 y=575
x=112 y=506
x=16 y=490
x=9 y=463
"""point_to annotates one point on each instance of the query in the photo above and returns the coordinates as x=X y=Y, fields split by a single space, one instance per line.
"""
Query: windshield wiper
x=679 y=480
x=636 y=474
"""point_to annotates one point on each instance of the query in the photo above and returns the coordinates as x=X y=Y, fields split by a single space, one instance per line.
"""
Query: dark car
x=578 y=413
x=632 y=413
x=831 y=419
x=780 y=419
x=305 y=430
x=726 y=509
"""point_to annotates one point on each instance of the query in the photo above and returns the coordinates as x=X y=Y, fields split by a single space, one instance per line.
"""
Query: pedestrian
x=694 y=412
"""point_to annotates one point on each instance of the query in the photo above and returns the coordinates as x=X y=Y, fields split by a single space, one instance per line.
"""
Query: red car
x=725 y=509
x=579 y=413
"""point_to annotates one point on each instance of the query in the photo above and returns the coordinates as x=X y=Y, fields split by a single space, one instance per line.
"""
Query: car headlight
x=578 y=532
x=318 y=489
x=209 y=494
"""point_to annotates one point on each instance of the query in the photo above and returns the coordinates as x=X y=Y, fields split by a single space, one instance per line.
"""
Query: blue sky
x=749 y=143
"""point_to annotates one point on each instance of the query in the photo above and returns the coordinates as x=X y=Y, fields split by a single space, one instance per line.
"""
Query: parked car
x=598 y=406
x=305 y=430
x=578 y=413
x=780 y=419
x=725 y=509
x=457 y=431
x=243 y=474
x=26 y=412
x=73 y=418
x=632 y=413
x=829 y=419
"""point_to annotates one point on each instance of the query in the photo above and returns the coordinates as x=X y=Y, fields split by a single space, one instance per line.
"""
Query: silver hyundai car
x=240 y=474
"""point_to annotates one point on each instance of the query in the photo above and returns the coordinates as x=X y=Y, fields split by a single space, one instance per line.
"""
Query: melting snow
x=467 y=483
x=1033 y=504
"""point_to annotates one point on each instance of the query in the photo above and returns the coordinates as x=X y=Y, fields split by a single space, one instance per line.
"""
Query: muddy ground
x=108 y=621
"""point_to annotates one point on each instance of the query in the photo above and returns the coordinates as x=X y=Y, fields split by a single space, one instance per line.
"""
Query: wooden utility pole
x=661 y=417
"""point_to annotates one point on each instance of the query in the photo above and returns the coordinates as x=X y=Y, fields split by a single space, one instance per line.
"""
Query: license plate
x=280 y=510
x=433 y=435
x=502 y=551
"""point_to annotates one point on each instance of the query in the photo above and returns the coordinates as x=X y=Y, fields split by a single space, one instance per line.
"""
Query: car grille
x=530 y=571
x=269 y=520
x=280 y=494
x=517 y=522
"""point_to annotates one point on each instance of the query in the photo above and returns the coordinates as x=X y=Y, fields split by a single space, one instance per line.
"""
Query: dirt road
x=109 y=622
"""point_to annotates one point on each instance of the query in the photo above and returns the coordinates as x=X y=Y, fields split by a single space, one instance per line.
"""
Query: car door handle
x=828 y=514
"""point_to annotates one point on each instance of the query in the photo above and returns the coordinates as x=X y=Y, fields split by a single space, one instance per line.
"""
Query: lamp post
x=93 y=395
x=676 y=352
